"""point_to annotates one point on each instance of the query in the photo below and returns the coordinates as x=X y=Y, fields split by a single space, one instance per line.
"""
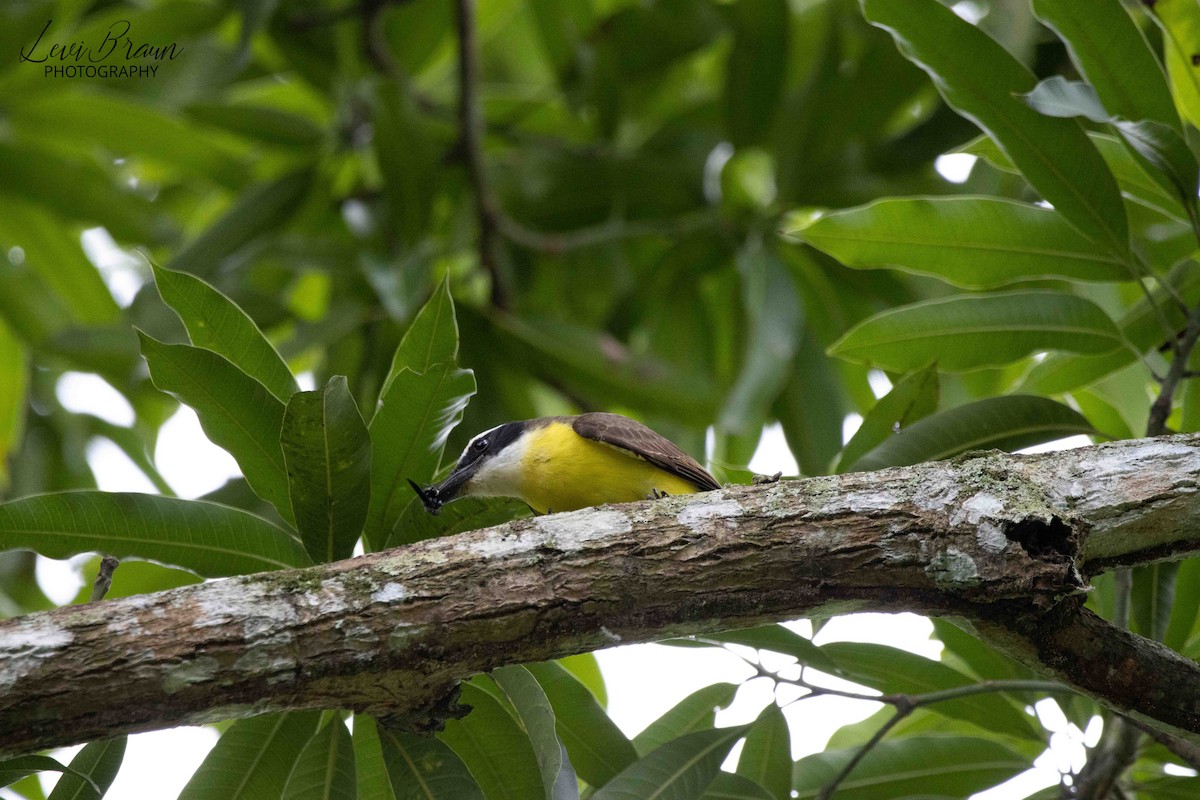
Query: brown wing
x=637 y=439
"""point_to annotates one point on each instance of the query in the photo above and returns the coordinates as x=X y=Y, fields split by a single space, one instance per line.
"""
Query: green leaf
x=1110 y=51
x=431 y=338
x=920 y=766
x=408 y=435
x=14 y=377
x=983 y=82
x=679 y=770
x=586 y=670
x=407 y=158
x=423 y=768
x=328 y=455
x=597 y=748
x=14 y=769
x=766 y=756
x=537 y=716
x=75 y=189
x=325 y=768
x=894 y=671
x=973 y=242
x=982 y=659
x=128 y=130
x=494 y=748
x=911 y=399
x=95 y=767
x=1152 y=598
x=1174 y=164
x=1140 y=326
x=1058 y=97
x=464 y=514
x=776 y=638
x=59 y=260
x=258 y=210
x=970 y=331
x=269 y=125
x=254 y=758
x=207 y=538
x=216 y=323
x=756 y=69
x=696 y=712
x=372 y=781
x=235 y=411
x=1007 y=423
x=1180 y=22
x=776 y=324
x=727 y=786
x=812 y=407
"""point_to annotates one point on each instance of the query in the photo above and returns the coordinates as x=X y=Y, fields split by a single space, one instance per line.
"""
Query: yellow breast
x=562 y=471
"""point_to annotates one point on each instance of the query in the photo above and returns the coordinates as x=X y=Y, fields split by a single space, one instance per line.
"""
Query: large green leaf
x=431 y=338
x=59 y=260
x=925 y=766
x=983 y=82
x=328 y=455
x=812 y=407
x=894 y=671
x=1140 y=325
x=727 y=786
x=235 y=411
x=597 y=748
x=1008 y=423
x=408 y=435
x=423 y=768
x=911 y=399
x=757 y=68
x=207 y=538
x=216 y=323
x=679 y=770
x=128 y=129
x=776 y=638
x=76 y=190
x=1180 y=21
x=14 y=769
x=370 y=770
x=974 y=242
x=776 y=324
x=254 y=758
x=1110 y=51
x=99 y=761
x=970 y=331
x=766 y=756
x=14 y=377
x=494 y=748
x=325 y=767
x=537 y=717
x=256 y=211
x=696 y=712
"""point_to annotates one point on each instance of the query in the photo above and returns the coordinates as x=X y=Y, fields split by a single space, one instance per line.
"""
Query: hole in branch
x=1042 y=539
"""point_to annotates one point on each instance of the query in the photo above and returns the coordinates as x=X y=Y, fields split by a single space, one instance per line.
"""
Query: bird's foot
x=655 y=494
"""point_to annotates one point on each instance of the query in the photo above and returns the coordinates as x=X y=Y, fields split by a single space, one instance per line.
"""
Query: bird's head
x=490 y=465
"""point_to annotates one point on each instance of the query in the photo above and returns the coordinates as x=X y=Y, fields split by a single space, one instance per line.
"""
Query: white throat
x=500 y=474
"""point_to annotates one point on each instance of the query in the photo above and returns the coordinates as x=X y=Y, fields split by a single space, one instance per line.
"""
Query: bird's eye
x=480 y=445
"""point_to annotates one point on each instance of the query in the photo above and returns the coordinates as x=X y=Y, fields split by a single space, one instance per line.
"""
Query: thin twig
x=828 y=789
x=104 y=576
x=1156 y=425
x=471 y=129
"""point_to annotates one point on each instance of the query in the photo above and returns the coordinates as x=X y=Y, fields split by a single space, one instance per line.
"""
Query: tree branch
x=1003 y=540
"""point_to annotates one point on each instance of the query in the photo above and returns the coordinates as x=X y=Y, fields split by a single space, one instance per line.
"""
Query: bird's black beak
x=439 y=494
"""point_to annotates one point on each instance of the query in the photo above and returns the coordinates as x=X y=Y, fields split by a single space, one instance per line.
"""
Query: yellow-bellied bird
x=567 y=463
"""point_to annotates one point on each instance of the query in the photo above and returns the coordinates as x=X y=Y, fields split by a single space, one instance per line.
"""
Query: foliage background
x=625 y=211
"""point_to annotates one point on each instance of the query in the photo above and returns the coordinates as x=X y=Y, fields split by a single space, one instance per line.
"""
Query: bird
x=567 y=463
